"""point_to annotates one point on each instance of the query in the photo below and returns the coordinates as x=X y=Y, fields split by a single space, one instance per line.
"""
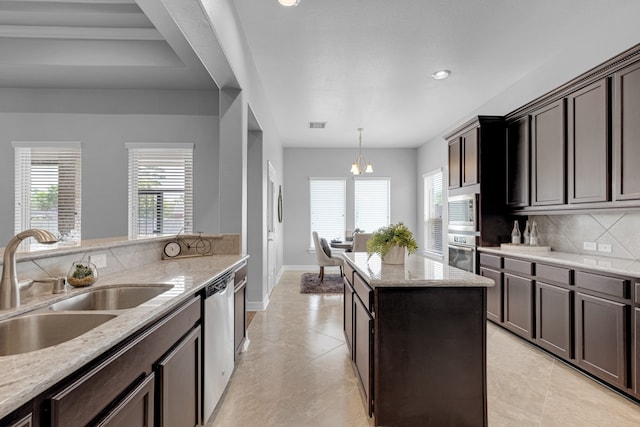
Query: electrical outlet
x=99 y=260
x=604 y=247
x=589 y=246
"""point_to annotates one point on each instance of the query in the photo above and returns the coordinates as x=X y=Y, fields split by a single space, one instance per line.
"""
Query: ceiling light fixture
x=289 y=3
x=441 y=74
x=360 y=166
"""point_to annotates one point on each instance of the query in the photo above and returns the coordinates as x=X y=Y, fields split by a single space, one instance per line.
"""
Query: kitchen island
x=417 y=336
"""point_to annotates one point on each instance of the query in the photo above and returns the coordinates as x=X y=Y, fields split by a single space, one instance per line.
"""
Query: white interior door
x=272 y=205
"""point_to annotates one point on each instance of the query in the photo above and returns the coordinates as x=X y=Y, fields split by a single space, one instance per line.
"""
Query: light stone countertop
x=417 y=271
x=25 y=376
x=625 y=267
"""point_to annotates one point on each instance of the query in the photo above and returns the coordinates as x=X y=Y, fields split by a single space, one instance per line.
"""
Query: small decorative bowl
x=82 y=273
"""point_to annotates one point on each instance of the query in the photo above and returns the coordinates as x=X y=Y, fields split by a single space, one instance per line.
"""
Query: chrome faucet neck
x=9 y=291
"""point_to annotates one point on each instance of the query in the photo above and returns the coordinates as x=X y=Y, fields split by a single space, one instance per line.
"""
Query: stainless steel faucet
x=9 y=291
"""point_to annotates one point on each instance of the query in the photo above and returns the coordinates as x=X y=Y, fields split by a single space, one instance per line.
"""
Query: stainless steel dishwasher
x=218 y=351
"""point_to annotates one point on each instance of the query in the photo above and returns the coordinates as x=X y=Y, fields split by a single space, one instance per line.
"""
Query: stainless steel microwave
x=463 y=213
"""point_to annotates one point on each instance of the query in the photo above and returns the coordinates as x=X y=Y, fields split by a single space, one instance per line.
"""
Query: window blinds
x=48 y=188
x=160 y=189
x=372 y=207
x=433 y=227
x=328 y=207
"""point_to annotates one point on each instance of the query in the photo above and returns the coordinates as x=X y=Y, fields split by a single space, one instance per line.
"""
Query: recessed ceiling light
x=289 y=3
x=441 y=74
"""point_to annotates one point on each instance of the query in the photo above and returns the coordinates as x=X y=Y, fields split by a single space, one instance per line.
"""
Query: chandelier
x=360 y=166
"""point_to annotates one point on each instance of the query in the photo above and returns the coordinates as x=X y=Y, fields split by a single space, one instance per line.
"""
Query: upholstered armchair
x=360 y=242
x=323 y=256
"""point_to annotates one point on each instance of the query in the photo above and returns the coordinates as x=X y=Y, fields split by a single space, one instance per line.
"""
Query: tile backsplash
x=567 y=233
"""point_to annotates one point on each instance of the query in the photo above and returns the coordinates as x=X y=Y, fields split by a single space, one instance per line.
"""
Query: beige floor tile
x=297 y=373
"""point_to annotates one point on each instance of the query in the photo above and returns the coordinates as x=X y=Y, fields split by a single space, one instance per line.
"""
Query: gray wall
x=431 y=156
x=104 y=156
x=398 y=164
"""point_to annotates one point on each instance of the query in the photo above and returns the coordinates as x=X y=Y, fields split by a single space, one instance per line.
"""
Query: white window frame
x=171 y=154
x=433 y=212
x=318 y=206
x=361 y=207
x=65 y=157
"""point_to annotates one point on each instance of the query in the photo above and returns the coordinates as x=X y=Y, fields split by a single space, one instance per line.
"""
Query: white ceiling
x=367 y=63
x=351 y=63
x=95 y=44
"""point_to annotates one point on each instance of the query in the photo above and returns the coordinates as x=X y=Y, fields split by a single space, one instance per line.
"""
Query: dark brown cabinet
x=455 y=167
x=363 y=355
x=348 y=315
x=517 y=167
x=626 y=133
x=135 y=410
x=179 y=388
x=589 y=319
x=470 y=157
x=240 y=308
x=96 y=393
x=636 y=350
x=601 y=338
x=484 y=134
x=588 y=143
x=554 y=319
x=518 y=305
x=548 y=155
x=494 y=294
x=419 y=352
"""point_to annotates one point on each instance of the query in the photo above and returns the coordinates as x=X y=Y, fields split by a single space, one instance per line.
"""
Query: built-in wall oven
x=463 y=251
x=463 y=231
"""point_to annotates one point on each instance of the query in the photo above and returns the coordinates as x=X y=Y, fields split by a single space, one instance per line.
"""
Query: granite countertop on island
x=418 y=271
x=25 y=376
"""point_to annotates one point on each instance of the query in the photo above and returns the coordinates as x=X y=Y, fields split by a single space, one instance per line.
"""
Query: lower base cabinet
x=494 y=294
x=136 y=409
x=179 y=378
x=362 y=350
x=554 y=319
x=419 y=352
x=348 y=315
x=636 y=364
x=110 y=391
x=240 y=309
x=601 y=338
x=518 y=305
x=589 y=319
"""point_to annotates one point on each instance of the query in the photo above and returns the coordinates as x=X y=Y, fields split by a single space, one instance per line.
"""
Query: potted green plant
x=390 y=242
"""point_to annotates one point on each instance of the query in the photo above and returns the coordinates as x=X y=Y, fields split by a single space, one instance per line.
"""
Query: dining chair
x=360 y=242
x=323 y=256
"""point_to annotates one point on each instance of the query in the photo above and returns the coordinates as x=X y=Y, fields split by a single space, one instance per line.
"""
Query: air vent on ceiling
x=317 y=125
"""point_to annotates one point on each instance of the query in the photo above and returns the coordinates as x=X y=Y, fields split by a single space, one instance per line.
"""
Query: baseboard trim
x=258 y=305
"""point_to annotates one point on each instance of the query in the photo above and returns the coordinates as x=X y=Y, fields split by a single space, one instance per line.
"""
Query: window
x=371 y=198
x=160 y=189
x=47 y=188
x=328 y=207
x=433 y=212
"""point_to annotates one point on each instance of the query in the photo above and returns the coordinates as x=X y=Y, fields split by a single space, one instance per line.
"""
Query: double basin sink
x=71 y=317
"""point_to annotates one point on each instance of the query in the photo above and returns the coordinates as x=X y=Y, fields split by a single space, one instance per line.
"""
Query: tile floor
x=297 y=373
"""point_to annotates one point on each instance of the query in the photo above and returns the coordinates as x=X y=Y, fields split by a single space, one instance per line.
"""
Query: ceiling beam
x=84 y=33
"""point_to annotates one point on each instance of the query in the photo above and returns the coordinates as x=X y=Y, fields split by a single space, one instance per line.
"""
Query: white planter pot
x=395 y=255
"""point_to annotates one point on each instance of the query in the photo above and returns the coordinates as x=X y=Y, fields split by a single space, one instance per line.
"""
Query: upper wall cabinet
x=470 y=148
x=588 y=143
x=626 y=133
x=548 y=155
x=455 y=158
x=517 y=153
x=463 y=159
